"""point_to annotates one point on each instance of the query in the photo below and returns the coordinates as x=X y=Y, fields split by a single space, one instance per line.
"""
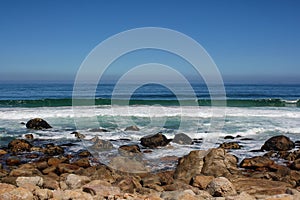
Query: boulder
x=230 y=145
x=179 y=195
x=78 y=135
x=43 y=194
x=183 y=139
x=101 y=145
x=13 y=161
x=83 y=162
x=18 y=194
x=129 y=150
x=74 y=181
x=34 y=180
x=37 y=123
x=53 y=150
x=229 y=137
x=219 y=163
x=153 y=141
x=129 y=184
x=132 y=128
x=278 y=143
x=101 y=188
x=201 y=181
x=221 y=187
x=189 y=165
x=19 y=145
x=256 y=162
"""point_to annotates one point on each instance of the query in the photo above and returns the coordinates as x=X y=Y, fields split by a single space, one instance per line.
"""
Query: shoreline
x=201 y=174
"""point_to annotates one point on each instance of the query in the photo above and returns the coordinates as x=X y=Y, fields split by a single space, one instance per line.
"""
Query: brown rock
x=52 y=150
x=84 y=154
x=2 y=152
x=189 y=165
x=219 y=163
x=25 y=170
x=256 y=162
x=132 y=128
x=29 y=136
x=67 y=168
x=129 y=150
x=278 y=143
x=43 y=194
x=19 y=145
x=74 y=181
x=153 y=141
x=221 y=187
x=201 y=181
x=34 y=180
x=126 y=164
x=17 y=194
x=83 y=162
x=129 y=184
x=6 y=188
x=55 y=161
x=230 y=145
x=101 y=145
x=37 y=123
x=101 y=188
x=13 y=160
x=50 y=169
x=50 y=183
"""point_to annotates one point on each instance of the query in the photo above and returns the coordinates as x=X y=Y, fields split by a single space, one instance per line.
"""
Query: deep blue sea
x=252 y=111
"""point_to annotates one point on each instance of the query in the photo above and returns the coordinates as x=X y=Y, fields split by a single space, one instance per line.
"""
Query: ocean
x=254 y=111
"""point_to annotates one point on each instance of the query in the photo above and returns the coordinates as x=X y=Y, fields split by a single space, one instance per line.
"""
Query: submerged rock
x=153 y=141
x=100 y=145
x=230 y=145
x=182 y=138
x=19 y=145
x=37 y=123
x=132 y=128
x=278 y=143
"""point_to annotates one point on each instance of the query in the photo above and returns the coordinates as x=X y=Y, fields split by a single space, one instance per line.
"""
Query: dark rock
x=132 y=128
x=153 y=141
x=19 y=145
x=83 y=162
x=29 y=136
x=296 y=164
x=98 y=130
x=37 y=123
x=219 y=163
x=230 y=145
x=246 y=139
x=256 y=162
x=197 y=141
x=228 y=137
x=78 y=135
x=67 y=168
x=129 y=150
x=53 y=150
x=182 y=138
x=278 y=143
x=189 y=166
x=23 y=123
x=84 y=154
x=101 y=145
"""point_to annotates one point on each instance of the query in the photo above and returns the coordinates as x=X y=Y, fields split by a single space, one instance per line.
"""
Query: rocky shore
x=50 y=172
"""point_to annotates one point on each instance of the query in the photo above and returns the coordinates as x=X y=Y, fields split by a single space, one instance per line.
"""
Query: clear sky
x=249 y=40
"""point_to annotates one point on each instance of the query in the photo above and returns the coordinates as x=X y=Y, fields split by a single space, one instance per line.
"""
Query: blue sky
x=249 y=40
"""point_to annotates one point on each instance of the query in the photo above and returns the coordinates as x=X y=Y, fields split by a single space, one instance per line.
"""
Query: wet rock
x=43 y=194
x=132 y=128
x=221 y=187
x=256 y=162
x=13 y=160
x=29 y=136
x=53 y=150
x=83 y=162
x=230 y=145
x=201 y=181
x=78 y=135
x=100 y=145
x=228 y=137
x=19 y=145
x=98 y=130
x=296 y=164
x=74 y=181
x=37 y=123
x=84 y=154
x=25 y=170
x=18 y=194
x=67 y=168
x=153 y=141
x=55 y=161
x=278 y=143
x=129 y=150
x=219 y=163
x=189 y=165
x=35 y=180
x=183 y=139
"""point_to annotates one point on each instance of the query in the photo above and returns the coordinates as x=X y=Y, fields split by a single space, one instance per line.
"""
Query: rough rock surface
x=219 y=163
x=183 y=139
x=37 y=123
x=278 y=143
x=221 y=187
x=189 y=165
x=19 y=145
x=256 y=162
x=132 y=128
